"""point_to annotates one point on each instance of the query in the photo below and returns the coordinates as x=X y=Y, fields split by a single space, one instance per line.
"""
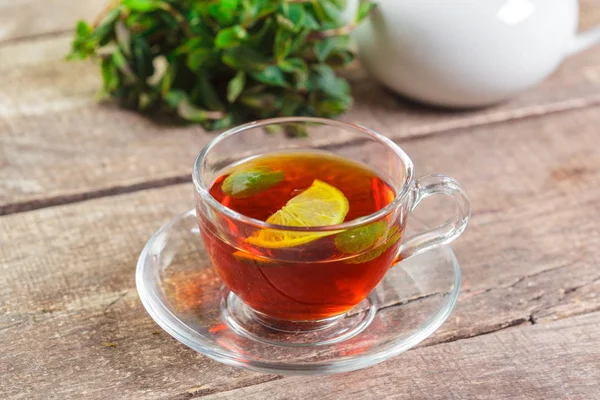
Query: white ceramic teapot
x=467 y=53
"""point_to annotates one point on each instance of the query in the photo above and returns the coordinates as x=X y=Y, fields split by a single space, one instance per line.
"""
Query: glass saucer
x=184 y=295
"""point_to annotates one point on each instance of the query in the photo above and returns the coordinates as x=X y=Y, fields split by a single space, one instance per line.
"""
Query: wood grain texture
x=532 y=243
x=22 y=19
x=589 y=15
x=72 y=325
x=531 y=255
x=58 y=146
x=553 y=361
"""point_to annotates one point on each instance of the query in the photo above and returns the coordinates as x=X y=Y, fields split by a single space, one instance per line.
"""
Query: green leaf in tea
x=393 y=237
x=357 y=240
x=241 y=184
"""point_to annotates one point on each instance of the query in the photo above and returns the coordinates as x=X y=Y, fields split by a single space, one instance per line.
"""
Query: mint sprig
x=219 y=63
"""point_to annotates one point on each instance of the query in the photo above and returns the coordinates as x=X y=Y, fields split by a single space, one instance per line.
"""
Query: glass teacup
x=304 y=278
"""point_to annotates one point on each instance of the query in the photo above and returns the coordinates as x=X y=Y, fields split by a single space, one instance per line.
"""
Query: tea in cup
x=301 y=234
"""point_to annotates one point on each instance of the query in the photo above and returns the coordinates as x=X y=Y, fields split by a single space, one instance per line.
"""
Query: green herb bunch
x=222 y=62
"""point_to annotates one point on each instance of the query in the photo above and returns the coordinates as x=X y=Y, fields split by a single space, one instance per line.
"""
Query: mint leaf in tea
x=247 y=183
x=357 y=240
x=295 y=274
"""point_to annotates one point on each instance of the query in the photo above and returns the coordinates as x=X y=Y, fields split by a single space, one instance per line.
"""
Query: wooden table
x=83 y=186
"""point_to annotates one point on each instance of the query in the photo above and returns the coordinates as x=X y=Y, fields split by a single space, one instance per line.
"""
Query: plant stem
x=109 y=6
x=179 y=17
x=342 y=31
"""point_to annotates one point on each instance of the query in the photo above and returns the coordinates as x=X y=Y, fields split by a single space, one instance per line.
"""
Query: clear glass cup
x=298 y=289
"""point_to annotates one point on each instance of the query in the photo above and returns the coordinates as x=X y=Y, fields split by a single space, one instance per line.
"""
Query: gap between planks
x=199 y=392
x=18 y=207
x=475 y=385
x=413 y=134
x=36 y=36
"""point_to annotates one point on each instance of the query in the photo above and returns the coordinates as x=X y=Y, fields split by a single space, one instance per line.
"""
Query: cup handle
x=584 y=40
x=427 y=186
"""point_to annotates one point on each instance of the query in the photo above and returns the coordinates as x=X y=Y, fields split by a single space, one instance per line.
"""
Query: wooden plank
x=553 y=361
x=589 y=14
x=557 y=360
x=533 y=186
x=79 y=328
x=67 y=286
x=58 y=146
x=22 y=19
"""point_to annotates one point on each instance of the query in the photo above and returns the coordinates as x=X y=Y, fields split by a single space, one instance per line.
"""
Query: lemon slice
x=319 y=205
